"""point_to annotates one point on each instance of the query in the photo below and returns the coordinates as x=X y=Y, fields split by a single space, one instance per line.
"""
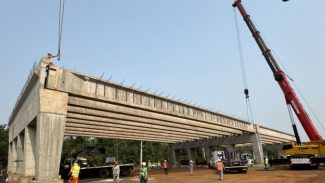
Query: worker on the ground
x=116 y=172
x=74 y=172
x=165 y=166
x=143 y=173
x=149 y=165
x=191 y=164
x=266 y=163
x=220 y=168
x=158 y=165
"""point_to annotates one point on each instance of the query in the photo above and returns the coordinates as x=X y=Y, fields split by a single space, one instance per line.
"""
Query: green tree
x=4 y=144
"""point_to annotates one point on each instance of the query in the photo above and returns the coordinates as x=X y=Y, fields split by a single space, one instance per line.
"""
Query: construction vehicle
x=90 y=168
x=229 y=160
x=299 y=154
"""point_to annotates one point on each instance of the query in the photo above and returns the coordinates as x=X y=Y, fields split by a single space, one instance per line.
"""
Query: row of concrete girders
x=82 y=85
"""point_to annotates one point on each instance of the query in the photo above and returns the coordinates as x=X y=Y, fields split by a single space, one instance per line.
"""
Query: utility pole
x=141 y=146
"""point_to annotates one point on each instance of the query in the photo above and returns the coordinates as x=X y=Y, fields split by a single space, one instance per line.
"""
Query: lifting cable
x=305 y=101
x=241 y=57
x=61 y=13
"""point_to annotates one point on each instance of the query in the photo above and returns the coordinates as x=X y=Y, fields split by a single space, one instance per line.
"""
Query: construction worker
x=158 y=165
x=165 y=166
x=191 y=164
x=149 y=165
x=143 y=173
x=74 y=172
x=220 y=168
x=266 y=163
x=116 y=172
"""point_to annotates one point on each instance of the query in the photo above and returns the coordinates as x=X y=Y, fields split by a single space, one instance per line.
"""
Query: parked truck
x=229 y=160
x=89 y=168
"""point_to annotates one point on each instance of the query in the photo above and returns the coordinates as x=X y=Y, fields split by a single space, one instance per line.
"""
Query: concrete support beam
x=194 y=153
x=14 y=156
x=257 y=148
x=240 y=139
x=189 y=153
x=152 y=115
x=49 y=141
x=30 y=151
x=20 y=154
x=174 y=156
x=207 y=152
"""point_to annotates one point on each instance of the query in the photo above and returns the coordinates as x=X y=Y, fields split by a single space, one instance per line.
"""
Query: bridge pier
x=257 y=148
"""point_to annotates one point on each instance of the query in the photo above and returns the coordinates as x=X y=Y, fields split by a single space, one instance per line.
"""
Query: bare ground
x=203 y=175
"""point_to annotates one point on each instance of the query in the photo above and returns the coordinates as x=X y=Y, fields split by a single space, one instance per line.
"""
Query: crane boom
x=289 y=94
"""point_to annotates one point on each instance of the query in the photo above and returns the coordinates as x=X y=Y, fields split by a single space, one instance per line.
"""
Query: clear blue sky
x=185 y=48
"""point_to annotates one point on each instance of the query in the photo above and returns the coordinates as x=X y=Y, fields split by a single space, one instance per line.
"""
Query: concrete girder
x=82 y=85
x=275 y=139
x=245 y=138
x=106 y=125
x=99 y=105
x=133 y=125
x=124 y=133
x=114 y=136
x=264 y=131
x=149 y=124
x=72 y=125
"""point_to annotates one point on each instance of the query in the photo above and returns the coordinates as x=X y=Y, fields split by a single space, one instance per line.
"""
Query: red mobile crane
x=309 y=153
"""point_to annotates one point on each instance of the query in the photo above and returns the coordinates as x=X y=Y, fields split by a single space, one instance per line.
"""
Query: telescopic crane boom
x=289 y=94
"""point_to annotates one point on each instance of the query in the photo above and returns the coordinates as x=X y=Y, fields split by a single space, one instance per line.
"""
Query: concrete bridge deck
x=56 y=102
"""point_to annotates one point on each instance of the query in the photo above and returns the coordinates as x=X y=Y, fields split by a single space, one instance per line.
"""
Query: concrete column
x=10 y=160
x=207 y=152
x=20 y=154
x=257 y=148
x=203 y=153
x=14 y=156
x=49 y=140
x=194 y=154
x=189 y=154
x=174 y=156
x=30 y=151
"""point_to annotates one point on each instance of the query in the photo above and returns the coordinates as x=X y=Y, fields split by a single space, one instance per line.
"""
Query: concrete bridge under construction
x=56 y=102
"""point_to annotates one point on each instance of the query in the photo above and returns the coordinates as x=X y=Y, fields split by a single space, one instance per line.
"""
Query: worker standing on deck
x=116 y=172
x=143 y=173
x=220 y=168
x=74 y=172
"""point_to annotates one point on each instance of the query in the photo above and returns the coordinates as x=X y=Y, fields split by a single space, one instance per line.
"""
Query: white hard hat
x=219 y=159
x=75 y=163
x=143 y=163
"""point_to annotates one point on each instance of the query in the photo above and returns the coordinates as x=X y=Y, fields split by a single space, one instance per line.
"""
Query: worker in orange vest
x=220 y=168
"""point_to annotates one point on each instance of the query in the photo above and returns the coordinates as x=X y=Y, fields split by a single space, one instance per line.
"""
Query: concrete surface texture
x=56 y=102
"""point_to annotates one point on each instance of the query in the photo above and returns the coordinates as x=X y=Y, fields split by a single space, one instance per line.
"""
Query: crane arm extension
x=280 y=77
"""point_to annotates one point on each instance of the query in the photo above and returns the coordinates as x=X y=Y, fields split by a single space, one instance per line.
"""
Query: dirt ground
x=203 y=175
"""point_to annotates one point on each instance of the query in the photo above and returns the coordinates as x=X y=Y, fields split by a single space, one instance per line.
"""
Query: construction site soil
x=204 y=175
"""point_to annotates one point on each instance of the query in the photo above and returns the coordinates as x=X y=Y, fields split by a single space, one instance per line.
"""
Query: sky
x=187 y=49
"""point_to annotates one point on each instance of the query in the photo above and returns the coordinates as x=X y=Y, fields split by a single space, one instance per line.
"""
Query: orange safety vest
x=220 y=165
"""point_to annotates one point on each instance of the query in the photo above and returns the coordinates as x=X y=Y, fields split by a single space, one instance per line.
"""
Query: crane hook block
x=246 y=93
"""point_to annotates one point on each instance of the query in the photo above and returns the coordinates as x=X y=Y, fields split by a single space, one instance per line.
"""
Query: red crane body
x=289 y=94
